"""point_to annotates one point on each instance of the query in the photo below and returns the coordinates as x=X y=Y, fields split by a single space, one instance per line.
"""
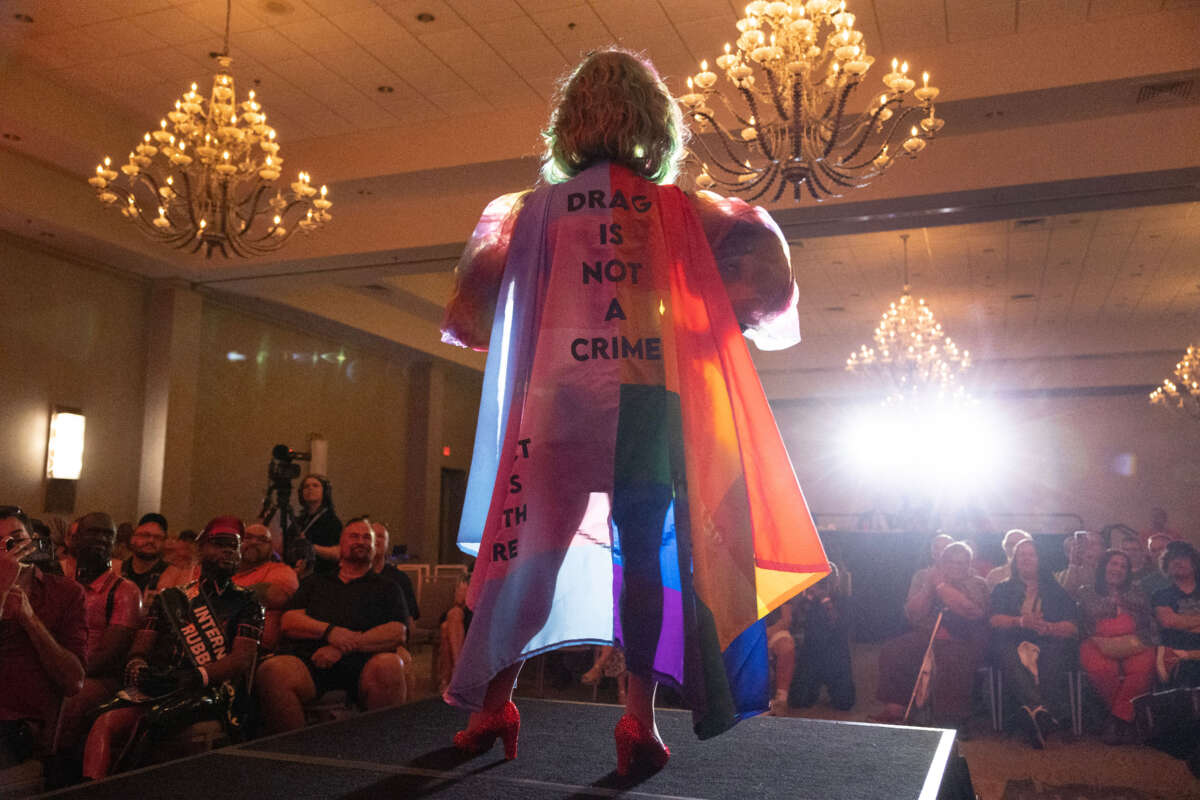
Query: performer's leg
x=639 y=701
x=499 y=693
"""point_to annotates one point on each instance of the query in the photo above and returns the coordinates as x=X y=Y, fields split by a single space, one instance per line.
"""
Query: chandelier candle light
x=912 y=354
x=794 y=69
x=206 y=177
x=1183 y=393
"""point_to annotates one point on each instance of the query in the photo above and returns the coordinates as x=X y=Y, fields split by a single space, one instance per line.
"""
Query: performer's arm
x=755 y=266
x=469 y=313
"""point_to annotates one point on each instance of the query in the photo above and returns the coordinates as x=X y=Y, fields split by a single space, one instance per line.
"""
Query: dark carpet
x=566 y=750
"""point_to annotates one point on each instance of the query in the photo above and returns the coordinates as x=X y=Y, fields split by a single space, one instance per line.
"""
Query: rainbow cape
x=628 y=482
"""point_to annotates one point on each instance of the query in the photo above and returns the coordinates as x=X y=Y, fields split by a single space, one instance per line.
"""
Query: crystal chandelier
x=206 y=177
x=912 y=355
x=1183 y=393
x=794 y=69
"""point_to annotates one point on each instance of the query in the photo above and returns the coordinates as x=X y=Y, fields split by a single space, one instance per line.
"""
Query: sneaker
x=1029 y=724
x=1166 y=662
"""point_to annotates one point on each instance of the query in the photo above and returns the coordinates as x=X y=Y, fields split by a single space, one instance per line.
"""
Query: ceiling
x=1054 y=178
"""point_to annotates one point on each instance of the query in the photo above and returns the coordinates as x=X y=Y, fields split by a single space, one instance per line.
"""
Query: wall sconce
x=64 y=452
x=64 y=458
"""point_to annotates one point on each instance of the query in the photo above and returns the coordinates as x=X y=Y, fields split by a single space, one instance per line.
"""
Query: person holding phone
x=43 y=637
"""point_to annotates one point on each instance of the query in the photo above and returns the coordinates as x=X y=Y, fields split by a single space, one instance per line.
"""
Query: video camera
x=283 y=468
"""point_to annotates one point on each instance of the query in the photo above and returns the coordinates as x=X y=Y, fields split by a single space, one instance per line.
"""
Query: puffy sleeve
x=469 y=313
x=755 y=267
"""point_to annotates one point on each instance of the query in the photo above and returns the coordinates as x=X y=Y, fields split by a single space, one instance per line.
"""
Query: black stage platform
x=566 y=750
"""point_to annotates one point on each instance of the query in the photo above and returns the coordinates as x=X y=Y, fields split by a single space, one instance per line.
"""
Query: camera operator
x=317 y=524
x=43 y=636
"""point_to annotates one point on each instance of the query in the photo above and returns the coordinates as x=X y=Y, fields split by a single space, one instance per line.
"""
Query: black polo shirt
x=361 y=604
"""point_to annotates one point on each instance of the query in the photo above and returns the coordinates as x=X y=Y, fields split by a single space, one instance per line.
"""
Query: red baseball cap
x=222 y=527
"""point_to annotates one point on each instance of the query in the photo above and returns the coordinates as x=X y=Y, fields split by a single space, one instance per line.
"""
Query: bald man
x=273 y=582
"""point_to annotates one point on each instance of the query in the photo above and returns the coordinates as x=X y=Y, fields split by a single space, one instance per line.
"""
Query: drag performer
x=628 y=483
x=190 y=660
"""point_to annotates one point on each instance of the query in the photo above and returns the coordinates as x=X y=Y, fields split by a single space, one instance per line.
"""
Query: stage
x=566 y=750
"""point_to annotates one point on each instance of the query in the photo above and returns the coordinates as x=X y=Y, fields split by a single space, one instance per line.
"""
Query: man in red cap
x=189 y=660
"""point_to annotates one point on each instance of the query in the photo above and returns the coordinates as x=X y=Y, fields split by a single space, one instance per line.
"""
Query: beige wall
x=1107 y=458
x=70 y=335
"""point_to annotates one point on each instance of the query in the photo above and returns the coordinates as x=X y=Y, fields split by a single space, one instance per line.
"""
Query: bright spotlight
x=940 y=447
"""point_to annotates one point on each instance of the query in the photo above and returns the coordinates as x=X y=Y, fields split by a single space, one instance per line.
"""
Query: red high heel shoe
x=637 y=749
x=503 y=723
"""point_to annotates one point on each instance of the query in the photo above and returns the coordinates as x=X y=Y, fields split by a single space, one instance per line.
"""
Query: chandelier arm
x=776 y=95
x=767 y=179
x=797 y=120
x=838 y=177
x=725 y=141
x=750 y=101
x=779 y=192
x=837 y=120
x=866 y=134
x=814 y=181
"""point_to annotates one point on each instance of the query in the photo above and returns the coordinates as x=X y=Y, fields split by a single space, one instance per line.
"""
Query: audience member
x=316 y=528
x=1086 y=549
x=781 y=651
x=1158 y=524
x=341 y=632
x=113 y=612
x=181 y=550
x=181 y=554
x=121 y=550
x=1117 y=649
x=1177 y=609
x=609 y=663
x=381 y=566
x=1132 y=545
x=937 y=544
x=273 y=583
x=961 y=598
x=145 y=564
x=1156 y=578
x=198 y=644
x=1035 y=638
x=1004 y=571
x=822 y=625
x=452 y=630
x=43 y=638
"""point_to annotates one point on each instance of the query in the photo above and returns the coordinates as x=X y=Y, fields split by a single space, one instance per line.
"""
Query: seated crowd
x=1124 y=613
x=104 y=660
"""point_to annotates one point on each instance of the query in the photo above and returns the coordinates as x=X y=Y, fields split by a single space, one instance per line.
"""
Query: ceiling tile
x=266 y=45
x=630 y=16
x=540 y=67
x=280 y=12
x=967 y=22
x=448 y=45
x=534 y=7
x=888 y=10
x=1035 y=14
x=337 y=8
x=479 y=11
x=405 y=12
x=467 y=101
x=172 y=26
x=316 y=36
x=513 y=35
x=211 y=15
x=706 y=38
x=1099 y=9
x=370 y=25
x=905 y=35
x=512 y=95
x=574 y=30
x=366 y=115
x=360 y=68
x=680 y=11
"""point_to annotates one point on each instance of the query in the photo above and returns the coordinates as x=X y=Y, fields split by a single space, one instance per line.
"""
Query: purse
x=1119 y=647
